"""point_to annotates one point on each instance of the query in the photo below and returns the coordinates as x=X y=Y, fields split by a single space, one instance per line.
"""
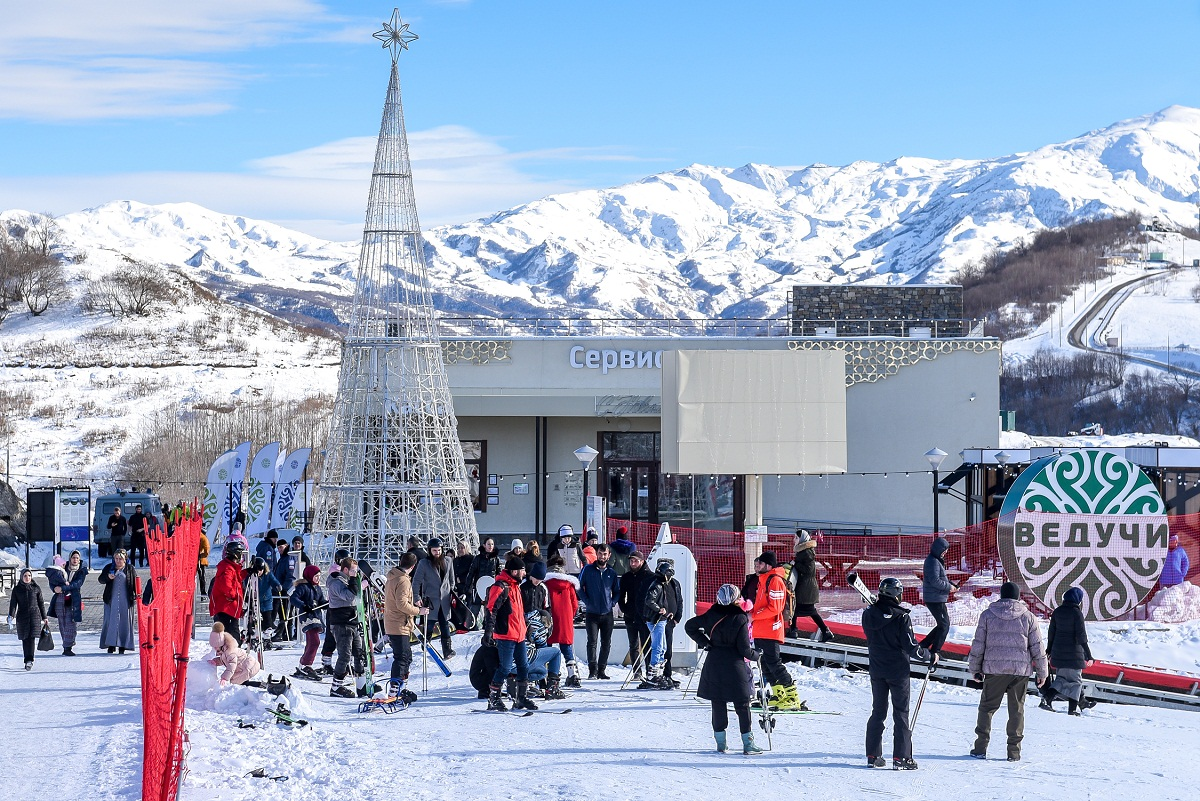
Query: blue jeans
x=658 y=642
x=546 y=659
x=510 y=653
x=567 y=650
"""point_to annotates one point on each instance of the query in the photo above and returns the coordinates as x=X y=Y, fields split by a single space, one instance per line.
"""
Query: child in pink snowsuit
x=239 y=665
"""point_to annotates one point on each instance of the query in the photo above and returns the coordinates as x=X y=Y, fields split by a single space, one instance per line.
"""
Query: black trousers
x=810 y=611
x=601 y=625
x=328 y=645
x=201 y=570
x=138 y=555
x=720 y=716
x=27 y=647
x=898 y=690
x=117 y=543
x=401 y=655
x=936 y=637
x=772 y=663
x=232 y=625
x=639 y=641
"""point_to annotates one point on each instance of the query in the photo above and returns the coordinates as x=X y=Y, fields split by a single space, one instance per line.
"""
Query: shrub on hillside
x=128 y=292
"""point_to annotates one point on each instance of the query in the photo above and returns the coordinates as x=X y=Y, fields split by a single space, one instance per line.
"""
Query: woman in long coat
x=120 y=594
x=804 y=578
x=725 y=631
x=66 y=604
x=27 y=611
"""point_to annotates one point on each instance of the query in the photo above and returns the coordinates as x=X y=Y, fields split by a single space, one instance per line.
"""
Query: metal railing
x=704 y=327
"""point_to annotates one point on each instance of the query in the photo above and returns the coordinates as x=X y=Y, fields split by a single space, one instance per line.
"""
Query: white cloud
x=75 y=59
x=459 y=175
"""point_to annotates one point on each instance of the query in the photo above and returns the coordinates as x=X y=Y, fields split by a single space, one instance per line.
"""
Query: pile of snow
x=205 y=692
x=1019 y=440
x=1178 y=604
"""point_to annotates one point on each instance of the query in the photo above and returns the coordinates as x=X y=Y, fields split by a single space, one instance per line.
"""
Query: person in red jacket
x=564 y=605
x=767 y=627
x=504 y=627
x=227 y=601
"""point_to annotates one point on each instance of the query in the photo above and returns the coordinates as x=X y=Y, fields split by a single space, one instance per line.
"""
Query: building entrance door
x=631 y=490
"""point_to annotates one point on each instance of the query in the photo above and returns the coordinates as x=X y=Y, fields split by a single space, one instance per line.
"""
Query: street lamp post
x=935 y=458
x=586 y=455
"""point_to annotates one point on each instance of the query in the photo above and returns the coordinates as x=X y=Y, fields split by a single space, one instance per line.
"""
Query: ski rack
x=955 y=671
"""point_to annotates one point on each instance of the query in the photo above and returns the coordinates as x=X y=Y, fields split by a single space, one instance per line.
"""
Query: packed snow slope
x=701 y=241
x=85 y=713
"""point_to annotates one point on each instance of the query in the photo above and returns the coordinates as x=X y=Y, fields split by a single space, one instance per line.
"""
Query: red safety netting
x=973 y=561
x=164 y=634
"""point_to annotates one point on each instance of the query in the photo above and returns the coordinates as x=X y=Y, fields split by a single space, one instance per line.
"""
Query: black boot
x=495 y=702
x=523 y=700
x=1073 y=707
x=510 y=687
x=591 y=671
x=1049 y=696
x=553 y=690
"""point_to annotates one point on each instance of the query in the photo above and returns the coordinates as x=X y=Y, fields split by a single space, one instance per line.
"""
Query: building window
x=475 y=457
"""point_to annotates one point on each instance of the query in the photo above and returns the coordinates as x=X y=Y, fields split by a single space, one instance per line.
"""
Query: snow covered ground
x=83 y=714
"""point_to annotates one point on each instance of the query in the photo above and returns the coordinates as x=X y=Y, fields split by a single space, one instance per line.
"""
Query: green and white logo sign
x=1089 y=519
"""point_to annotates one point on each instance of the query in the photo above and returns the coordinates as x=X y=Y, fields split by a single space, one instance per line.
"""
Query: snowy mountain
x=701 y=241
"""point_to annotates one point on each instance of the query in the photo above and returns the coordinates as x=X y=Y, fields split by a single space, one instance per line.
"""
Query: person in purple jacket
x=1175 y=569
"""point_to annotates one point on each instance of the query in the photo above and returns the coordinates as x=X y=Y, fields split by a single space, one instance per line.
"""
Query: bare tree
x=127 y=292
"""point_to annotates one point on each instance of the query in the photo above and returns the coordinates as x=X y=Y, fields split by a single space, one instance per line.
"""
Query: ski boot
x=903 y=763
x=339 y=690
x=787 y=698
x=523 y=699
x=573 y=681
x=495 y=702
x=748 y=746
x=876 y=762
x=553 y=690
x=720 y=738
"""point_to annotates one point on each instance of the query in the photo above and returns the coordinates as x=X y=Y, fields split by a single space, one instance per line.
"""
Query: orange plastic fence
x=720 y=556
x=164 y=634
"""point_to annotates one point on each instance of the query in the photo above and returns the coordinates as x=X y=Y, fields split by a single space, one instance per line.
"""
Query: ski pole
x=766 y=720
x=634 y=663
x=425 y=654
x=912 y=721
x=695 y=670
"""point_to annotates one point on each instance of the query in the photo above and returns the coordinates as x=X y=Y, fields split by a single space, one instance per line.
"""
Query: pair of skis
x=855 y=582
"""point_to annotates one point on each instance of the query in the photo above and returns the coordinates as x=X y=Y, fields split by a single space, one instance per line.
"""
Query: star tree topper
x=395 y=35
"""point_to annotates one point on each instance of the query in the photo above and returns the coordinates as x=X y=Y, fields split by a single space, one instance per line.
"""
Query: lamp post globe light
x=586 y=455
x=935 y=457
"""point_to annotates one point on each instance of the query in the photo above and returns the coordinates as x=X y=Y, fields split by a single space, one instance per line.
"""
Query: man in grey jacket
x=433 y=586
x=1007 y=646
x=935 y=592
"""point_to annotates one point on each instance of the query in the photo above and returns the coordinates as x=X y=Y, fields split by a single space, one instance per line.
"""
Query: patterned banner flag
x=258 y=492
x=285 y=490
x=232 y=502
x=216 y=494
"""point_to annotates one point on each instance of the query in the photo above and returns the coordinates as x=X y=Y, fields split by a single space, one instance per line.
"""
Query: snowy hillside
x=701 y=241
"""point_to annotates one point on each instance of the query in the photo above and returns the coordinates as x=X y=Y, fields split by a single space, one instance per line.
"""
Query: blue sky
x=267 y=107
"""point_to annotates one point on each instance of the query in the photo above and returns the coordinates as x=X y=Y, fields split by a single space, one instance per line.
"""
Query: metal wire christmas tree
x=393 y=462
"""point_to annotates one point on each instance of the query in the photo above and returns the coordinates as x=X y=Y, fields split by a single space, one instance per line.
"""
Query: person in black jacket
x=804 y=579
x=27 y=611
x=891 y=646
x=1067 y=647
x=662 y=610
x=631 y=596
x=726 y=678
x=485 y=563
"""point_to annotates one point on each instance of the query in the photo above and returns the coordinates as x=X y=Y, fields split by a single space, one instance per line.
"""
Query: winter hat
x=25 y=570
x=1073 y=596
x=637 y=555
x=622 y=531
x=537 y=570
x=59 y=561
x=217 y=636
x=311 y=572
x=728 y=594
x=767 y=558
x=803 y=536
x=1173 y=540
x=566 y=531
x=435 y=543
x=1010 y=591
x=516 y=544
x=514 y=563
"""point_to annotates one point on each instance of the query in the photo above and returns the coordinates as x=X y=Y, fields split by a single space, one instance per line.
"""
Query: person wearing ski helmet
x=504 y=627
x=766 y=620
x=329 y=644
x=891 y=646
x=724 y=631
x=227 y=599
x=662 y=609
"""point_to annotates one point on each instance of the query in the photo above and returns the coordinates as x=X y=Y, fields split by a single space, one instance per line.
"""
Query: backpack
x=789 y=583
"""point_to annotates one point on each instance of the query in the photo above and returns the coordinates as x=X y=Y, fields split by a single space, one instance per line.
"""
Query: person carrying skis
x=563 y=590
x=347 y=633
x=504 y=627
x=308 y=601
x=329 y=644
x=662 y=608
x=630 y=600
x=1067 y=645
x=725 y=678
x=766 y=621
x=398 y=613
x=227 y=599
x=1007 y=642
x=891 y=645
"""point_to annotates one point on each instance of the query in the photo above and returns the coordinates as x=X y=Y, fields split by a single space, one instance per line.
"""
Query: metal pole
x=935 y=501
